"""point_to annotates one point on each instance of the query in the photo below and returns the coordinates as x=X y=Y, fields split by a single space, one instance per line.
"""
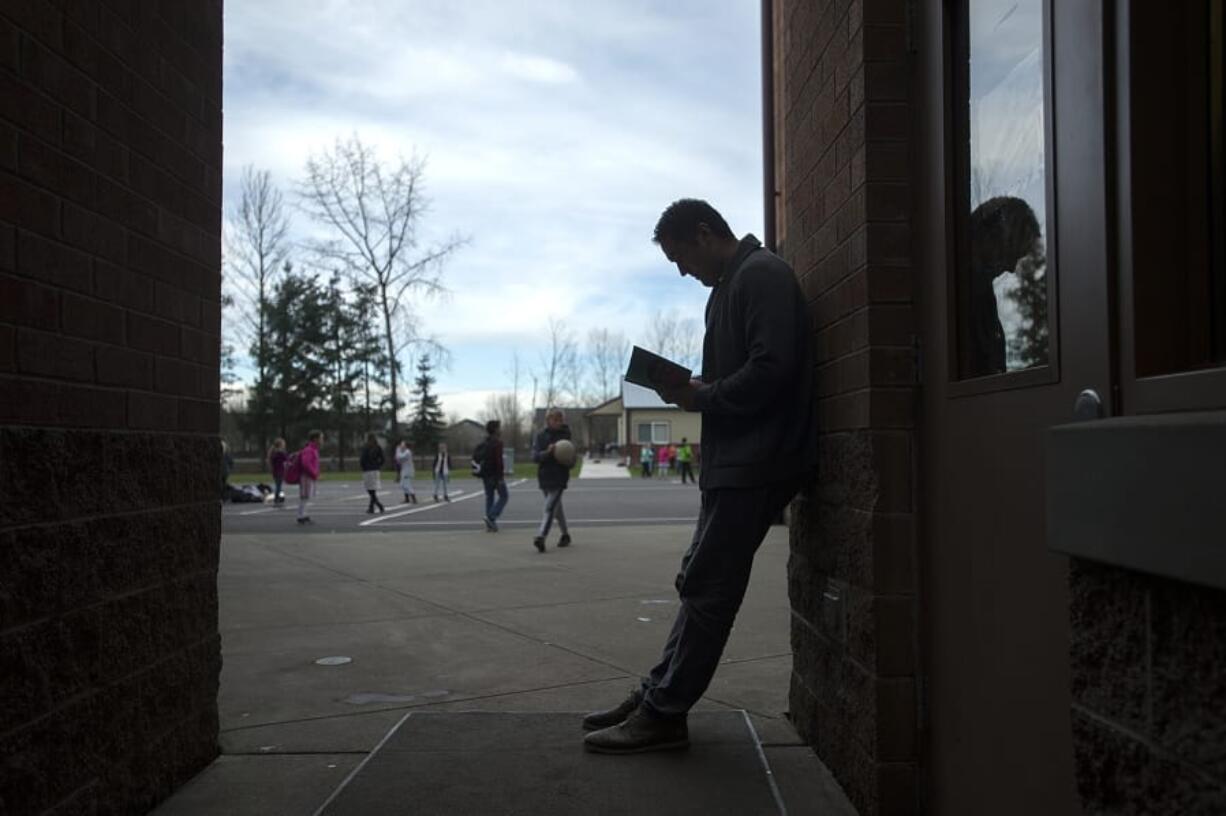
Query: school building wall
x=110 y=206
x=841 y=90
x=680 y=423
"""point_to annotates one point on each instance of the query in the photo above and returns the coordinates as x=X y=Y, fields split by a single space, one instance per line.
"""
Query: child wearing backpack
x=487 y=463
x=303 y=469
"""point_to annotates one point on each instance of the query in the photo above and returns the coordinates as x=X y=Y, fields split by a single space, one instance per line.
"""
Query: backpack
x=293 y=469
x=479 y=454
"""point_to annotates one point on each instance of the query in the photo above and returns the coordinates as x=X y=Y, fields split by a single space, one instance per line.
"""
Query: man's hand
x=680 y=395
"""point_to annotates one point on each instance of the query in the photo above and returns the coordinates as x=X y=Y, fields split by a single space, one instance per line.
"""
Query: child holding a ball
x=554 y=462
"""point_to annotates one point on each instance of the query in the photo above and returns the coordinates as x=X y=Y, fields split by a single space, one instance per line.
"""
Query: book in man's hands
x=653 y=371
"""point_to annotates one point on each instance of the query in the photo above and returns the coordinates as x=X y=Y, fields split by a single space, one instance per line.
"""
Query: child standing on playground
x=371 y=463
x=442 y=471
x=404 y=459
x=662 y=462
x=308 y=474
x=277 y=457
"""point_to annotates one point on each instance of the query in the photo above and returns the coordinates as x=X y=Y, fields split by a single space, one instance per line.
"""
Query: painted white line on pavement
x=534 y=522
x=423 y=508
x=261 y=510
x=385 y=493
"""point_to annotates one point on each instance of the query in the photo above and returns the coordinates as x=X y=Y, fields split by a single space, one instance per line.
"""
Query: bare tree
x=376 y=212
x=607 y=353
x=257 y=247
x=559 y=371
x=505 y=407
x=677 y=338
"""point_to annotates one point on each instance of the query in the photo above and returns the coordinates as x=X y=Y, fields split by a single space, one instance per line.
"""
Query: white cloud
x=554 y=133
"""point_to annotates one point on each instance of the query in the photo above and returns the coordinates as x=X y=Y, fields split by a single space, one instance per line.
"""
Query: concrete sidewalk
x=606 y=468
x=462 y=621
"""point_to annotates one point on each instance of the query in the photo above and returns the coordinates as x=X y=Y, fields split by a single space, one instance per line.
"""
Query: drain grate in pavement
x=499 y=764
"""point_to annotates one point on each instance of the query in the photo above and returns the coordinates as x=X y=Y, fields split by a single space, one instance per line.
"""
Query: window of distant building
x=654 y=433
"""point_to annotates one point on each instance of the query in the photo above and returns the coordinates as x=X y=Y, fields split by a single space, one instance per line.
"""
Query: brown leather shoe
x=640 y=732
x=612 y=716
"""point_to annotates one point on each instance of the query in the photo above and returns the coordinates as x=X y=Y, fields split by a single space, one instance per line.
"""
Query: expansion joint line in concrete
x=426 y=704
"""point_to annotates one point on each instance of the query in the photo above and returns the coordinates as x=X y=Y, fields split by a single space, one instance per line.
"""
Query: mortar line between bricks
x=115 y=389
x=178 y=579
x=1148 y=741
x=423 y=704
x=173 y=139
x=110 y=431
x=93 y=690
x=90 y=295
x=161 y=508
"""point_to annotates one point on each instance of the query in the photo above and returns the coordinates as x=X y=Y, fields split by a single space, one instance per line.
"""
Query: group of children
x=667 y=457
x=302 y=468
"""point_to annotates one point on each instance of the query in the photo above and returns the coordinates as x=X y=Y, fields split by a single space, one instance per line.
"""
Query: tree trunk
x=391 y=356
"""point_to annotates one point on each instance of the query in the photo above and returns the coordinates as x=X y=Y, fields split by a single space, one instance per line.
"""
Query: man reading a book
x=759 y=446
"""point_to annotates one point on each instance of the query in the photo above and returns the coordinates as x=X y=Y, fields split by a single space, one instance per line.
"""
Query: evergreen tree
x=1029 y=343
x=342 y=329
x=298 y=363
x=426 y=426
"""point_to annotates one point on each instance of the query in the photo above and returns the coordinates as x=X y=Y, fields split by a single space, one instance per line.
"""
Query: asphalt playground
x=590 y=502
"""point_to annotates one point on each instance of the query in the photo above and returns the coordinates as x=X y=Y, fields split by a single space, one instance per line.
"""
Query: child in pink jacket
x=308 y=474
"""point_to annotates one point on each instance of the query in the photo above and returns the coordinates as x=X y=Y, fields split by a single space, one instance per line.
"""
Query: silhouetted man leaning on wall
x=758 y=444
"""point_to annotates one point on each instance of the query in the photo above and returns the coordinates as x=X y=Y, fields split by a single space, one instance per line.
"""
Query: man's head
x=554 y=418
x=696 y=238
x=315 y=436
x=493 y=427
x=1004 y=231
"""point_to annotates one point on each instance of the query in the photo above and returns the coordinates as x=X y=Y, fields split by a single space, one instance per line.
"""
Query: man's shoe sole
x=638 y=749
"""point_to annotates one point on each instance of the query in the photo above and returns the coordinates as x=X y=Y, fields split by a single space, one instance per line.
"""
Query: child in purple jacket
x=277 y=457
x=308 y=478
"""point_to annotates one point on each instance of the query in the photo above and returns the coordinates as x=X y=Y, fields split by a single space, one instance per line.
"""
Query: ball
x=564 y=452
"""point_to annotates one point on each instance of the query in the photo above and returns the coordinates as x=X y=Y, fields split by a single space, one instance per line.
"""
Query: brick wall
x=842 y=120
x=110 y=201
x=1149 y=677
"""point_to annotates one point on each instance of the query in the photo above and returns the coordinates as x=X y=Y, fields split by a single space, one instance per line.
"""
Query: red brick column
x=110 y=203
x=842 y=123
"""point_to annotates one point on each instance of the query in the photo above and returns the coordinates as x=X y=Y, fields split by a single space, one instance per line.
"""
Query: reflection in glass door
x=1002 y=287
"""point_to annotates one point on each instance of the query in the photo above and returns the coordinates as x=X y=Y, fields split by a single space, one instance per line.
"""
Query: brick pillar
x=842 y=120
x=110 y=202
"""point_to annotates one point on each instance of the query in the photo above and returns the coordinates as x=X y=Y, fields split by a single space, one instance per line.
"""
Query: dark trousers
x=687 y=471
x=494 y=507
x=553 y=510
x=712 y=581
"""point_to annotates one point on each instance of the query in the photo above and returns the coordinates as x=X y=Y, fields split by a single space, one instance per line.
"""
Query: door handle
x=1088 y=406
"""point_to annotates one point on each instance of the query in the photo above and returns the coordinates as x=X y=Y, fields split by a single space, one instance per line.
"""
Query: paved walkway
x=329 y=640
x=606 y=468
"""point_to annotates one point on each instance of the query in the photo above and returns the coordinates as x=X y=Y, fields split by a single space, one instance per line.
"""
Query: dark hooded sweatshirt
x=550 y=474
x=757 y=394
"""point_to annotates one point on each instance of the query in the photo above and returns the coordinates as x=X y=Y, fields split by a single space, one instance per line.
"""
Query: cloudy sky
x=555 y=133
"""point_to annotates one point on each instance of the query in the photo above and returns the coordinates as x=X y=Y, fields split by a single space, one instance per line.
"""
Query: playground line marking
x=423 y=508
